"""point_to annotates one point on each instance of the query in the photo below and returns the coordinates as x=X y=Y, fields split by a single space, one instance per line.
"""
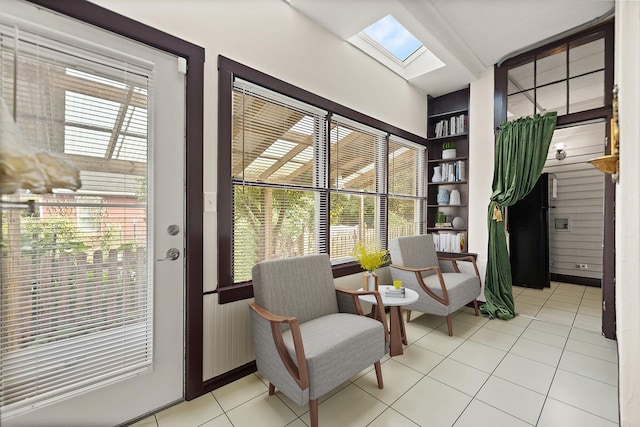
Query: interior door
x=150 y=208
x=529 y=238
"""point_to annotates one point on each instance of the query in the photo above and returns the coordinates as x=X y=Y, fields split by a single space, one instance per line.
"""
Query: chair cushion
x=461 y=288
x=300 y=287
x=337 y=347
x=414 y=252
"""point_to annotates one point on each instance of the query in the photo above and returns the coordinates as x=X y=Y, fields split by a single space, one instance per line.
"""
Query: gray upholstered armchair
x=308 y=336
x=443 y=289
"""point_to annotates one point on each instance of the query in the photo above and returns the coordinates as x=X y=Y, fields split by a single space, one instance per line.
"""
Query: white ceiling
x=467 y=35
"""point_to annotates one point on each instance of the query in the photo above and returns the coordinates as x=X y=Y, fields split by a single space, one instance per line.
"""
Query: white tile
x=537 y=293
x=591 y=337
x=550 y=328
x=528 y=299
x=526 y=309
x=592 y=296
x=593 y=350
x=507 y=326
x=590 y=311
x=588 y=322
x=539 y=352
x=590 y=367
x=392 y=418
x=518 y=401
x=459 y=376
x=239 y=391
x=592 y=303
x=415 y=331
x=544 y=337
x=557 y=413
x=263 y=410
x=397 y=379
x=470 y=317
x=419 y=358
x=431 y=403
x=428 y=320
x=479 y=414
x=556 y=316
x=570 y=299
x=593 y=290
x=478 y=356
x=439 y=342
x=220 y=421
x=528 y=373
x=297 y=423
x=351 y=406
x=190 y=413
x=147 y=422
x=460 y=329
x=584 y=393
x=495 y=339
x=562 y=305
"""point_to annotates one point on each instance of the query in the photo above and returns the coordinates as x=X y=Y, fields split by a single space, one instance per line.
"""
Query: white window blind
x=76 y=292
x=277 y=177
x=357 y=181
x=406 y=163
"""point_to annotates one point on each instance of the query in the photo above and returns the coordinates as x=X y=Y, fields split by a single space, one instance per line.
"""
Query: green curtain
x=520 y=153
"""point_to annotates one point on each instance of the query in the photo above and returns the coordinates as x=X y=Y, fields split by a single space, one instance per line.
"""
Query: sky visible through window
x=392 y=36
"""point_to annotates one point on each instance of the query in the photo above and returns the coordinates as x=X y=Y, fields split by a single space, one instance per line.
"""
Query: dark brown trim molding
x=195 y=55
x=228 y=70
x=586 y=281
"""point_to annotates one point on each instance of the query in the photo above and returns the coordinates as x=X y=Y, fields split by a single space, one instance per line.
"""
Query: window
x=567 y=77
x=393 y=38
x=74 y=269
x=306 y=179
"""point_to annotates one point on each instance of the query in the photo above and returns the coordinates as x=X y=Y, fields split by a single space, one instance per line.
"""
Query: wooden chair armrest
x=466 y=258
x=300 y=373
x=445 y=295
x=379 y=306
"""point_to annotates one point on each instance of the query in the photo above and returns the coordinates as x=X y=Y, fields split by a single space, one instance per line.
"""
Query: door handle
x=172 y=255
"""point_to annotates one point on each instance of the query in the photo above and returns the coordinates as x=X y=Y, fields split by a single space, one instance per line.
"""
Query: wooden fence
x=58 y=295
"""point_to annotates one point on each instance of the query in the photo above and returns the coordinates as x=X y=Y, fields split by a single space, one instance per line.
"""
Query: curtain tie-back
x=497 y=212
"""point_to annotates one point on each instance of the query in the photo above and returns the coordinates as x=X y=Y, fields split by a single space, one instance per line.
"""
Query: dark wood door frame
x=605 y=112
x=195 y=55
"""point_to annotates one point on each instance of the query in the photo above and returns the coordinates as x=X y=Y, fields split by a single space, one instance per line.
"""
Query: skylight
x=393 y=37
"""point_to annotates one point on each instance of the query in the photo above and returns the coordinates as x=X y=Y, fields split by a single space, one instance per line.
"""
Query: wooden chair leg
x=313 y=412
x=272 y=389
x=475 y=306
x=379 y=374
x=408 y=315
x=449 y=325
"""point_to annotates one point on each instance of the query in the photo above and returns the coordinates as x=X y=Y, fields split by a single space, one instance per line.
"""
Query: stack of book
x=452 y=126
x=449 y=242
x=395 y=293
x=453 y=171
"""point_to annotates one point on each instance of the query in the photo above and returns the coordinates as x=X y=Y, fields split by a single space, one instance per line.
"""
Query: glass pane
x=403 y=217
x=353 y=220
x=586 y=92
x=520 y=78
x=393 y=37
x=353 y=156
x=272 y=143
x=403 y=169
x=520 y=105
x=586 y=57
x=271 y=224
x=552 y=98
x=551 y=66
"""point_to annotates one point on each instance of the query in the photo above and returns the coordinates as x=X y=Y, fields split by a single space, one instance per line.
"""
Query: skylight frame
x=388 y=52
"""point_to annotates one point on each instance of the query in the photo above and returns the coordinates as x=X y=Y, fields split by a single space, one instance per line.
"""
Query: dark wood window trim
x=227 y=70
x=195 y=56
x=605 y=30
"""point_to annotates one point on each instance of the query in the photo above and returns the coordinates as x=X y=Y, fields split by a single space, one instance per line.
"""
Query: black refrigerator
x=528 y=222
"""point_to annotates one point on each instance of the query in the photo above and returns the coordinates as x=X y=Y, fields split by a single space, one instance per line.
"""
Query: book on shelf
x=453 y=126
x=443 y=225
x=449 y=242
x=453 y=171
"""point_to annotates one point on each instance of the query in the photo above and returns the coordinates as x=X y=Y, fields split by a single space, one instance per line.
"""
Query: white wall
x=481 y=142
x=273 y=38
x=627 y=72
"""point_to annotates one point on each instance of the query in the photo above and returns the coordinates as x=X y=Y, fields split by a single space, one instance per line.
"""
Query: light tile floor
x=549 y=366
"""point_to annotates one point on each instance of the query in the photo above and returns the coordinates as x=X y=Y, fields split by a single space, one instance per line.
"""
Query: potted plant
x=448 y=150
x=370 y=257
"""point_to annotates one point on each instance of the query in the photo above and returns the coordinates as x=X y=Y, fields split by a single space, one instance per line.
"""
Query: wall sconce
x=560 y=153
x=611 y=163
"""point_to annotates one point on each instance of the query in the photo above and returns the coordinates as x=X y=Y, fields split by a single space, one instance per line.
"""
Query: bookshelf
x=448 y=124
